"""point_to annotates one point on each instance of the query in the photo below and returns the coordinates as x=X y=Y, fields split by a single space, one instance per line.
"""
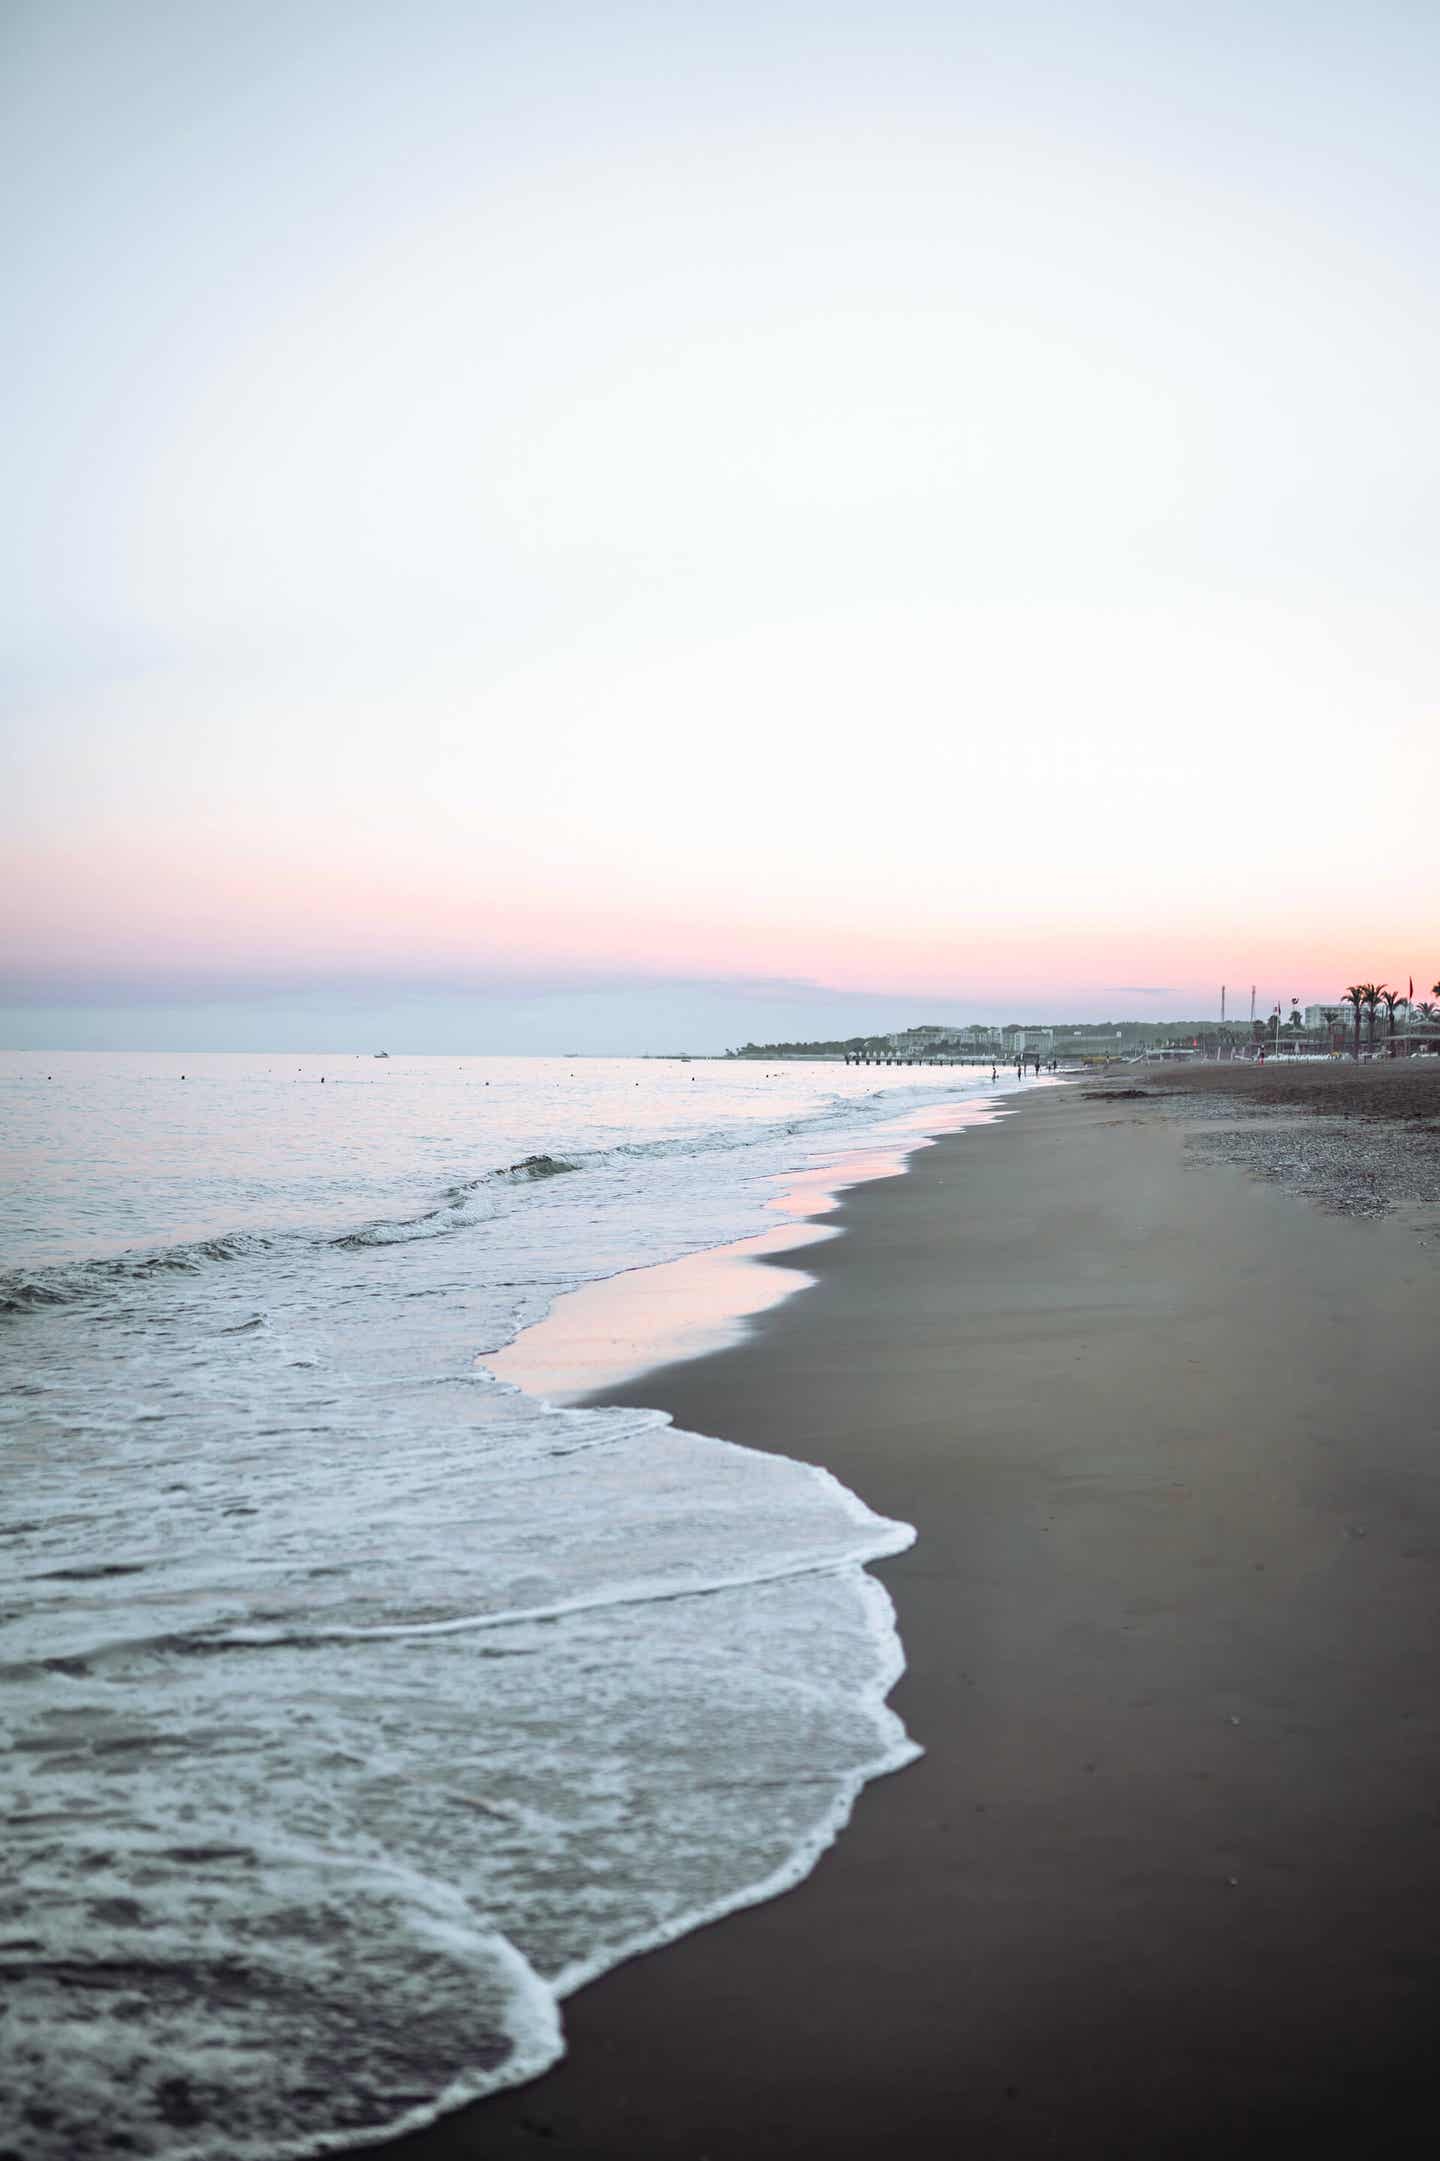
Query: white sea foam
x=356 y=1707
x=235 y=1845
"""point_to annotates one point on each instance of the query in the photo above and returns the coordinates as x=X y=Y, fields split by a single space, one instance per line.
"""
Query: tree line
x=1367 y=998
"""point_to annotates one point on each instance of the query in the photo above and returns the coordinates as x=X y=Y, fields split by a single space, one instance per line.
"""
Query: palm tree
x=1390 y=999
x=1374 y=992
x=1426 y=1012
x=1355 y=995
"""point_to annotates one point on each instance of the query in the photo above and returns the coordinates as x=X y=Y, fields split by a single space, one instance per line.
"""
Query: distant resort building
x=1329 y=1033
x=924 y=1042
x=1029 y=1041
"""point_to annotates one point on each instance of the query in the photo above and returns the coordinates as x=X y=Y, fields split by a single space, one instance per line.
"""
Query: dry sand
x=1166 y=1879
x=1387 y=1089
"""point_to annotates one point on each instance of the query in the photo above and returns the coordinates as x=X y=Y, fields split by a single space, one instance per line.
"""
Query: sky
x=592 y=527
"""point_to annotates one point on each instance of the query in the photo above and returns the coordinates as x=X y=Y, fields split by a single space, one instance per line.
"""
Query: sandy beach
x=1165 y=1881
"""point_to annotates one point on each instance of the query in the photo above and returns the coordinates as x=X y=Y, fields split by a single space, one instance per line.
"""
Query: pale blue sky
x=642 y=490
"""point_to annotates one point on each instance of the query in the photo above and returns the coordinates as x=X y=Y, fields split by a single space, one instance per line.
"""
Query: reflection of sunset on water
x=601 y=1337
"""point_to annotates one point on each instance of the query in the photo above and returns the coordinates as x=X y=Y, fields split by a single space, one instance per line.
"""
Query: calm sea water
x=355 y=1705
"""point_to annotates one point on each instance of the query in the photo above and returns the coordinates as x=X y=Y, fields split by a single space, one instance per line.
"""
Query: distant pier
x=874 y=1057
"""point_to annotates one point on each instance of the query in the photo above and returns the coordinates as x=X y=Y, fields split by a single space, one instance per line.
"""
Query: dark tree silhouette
x=1355 y=995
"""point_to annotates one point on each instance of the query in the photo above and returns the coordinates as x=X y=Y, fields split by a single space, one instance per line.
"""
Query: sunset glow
x=935 y=507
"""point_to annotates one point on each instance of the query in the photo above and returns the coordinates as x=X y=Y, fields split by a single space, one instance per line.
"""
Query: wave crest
x=32 y=1290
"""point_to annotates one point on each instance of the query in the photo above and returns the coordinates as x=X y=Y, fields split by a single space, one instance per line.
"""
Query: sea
x=358 y=1704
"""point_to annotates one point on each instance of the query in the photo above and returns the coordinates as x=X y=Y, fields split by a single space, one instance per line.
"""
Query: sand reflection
x=597 y=1339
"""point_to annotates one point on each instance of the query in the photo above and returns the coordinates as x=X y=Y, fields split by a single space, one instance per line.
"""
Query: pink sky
x=682 y=501
x=233 y=921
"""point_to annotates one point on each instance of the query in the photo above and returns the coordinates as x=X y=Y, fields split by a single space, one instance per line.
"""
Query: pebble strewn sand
x=1363 y=1172
x=1358 y=1140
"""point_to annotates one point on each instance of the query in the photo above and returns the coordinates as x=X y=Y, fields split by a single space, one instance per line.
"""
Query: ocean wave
x=458 y=1207
x=68 y=1283
x=881 y=1539
x=148 y=1953
x=417 y=1839
x=397 y=1888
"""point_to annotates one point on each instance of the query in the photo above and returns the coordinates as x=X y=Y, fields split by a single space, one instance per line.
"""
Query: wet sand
x=1166 y=1879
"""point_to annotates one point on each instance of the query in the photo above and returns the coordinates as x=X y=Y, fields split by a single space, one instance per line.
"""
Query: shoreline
x=608 y=1335
x=1166 y=1878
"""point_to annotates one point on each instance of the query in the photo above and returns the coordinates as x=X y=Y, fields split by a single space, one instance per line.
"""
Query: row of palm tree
x=1367 y=998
